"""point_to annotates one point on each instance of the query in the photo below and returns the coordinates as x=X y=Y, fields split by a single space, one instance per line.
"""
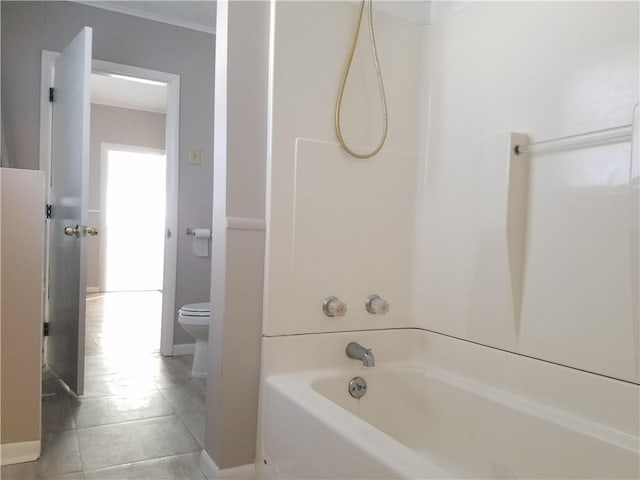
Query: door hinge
x=48 y=210
x=45 y=329
x=51 y=94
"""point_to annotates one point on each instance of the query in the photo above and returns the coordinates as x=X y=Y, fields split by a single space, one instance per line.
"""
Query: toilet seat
x=195 y=314
x=196 y=310
x=194 y=320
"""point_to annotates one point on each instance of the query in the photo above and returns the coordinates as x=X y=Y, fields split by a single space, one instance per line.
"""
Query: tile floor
x=141 y=417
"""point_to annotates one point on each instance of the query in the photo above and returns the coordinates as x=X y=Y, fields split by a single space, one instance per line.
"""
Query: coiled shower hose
x=343 y=82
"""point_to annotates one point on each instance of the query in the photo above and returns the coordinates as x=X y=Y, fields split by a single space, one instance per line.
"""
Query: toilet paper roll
x=201 y=238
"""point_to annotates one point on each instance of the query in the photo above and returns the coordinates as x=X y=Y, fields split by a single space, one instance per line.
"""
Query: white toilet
x=194 y=318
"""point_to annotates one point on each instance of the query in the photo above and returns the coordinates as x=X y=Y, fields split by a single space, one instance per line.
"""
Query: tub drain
x=357 y=387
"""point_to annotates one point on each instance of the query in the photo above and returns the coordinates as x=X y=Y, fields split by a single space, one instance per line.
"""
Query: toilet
x=194 y=319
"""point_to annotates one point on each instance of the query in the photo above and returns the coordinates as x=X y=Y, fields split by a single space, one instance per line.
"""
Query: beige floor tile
x=57 y=414
x=125 y=426
x=179 y=467
x=53 y=387
x=60 y=456
x=90 y=412
x=117 y=384
x=122 y=443
x=108 y=315
x=30 y=471
x=186 y=398
x=194 y=421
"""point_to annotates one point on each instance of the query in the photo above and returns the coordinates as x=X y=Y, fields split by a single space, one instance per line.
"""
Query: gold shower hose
x=343 y=82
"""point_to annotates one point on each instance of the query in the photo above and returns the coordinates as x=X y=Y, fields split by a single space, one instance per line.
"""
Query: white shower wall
x=337 y=225
x=546 y=69
x=411 y=223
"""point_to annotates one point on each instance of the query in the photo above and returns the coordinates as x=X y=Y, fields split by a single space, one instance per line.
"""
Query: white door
x=69 y=189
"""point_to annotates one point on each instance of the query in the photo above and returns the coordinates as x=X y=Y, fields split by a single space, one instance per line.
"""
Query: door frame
x=172 y=131
x=105 y=147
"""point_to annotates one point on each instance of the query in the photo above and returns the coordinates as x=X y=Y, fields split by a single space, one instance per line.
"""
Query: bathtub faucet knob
x=332 y=307
x=376 y=305
x=358 y=352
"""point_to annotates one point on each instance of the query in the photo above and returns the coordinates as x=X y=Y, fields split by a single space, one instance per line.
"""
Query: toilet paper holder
x=192 y=231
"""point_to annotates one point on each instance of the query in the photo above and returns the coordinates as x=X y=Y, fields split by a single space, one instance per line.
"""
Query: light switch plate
x=195 y=155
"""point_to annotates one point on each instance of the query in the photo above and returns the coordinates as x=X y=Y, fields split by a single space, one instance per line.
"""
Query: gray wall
x=115 y=125
x=29 y=27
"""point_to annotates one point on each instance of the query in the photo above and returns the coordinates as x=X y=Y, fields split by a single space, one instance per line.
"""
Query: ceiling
x=201 y=15
x=196 y=15
x=118 y=92
x=424 y=12
x=411 y=10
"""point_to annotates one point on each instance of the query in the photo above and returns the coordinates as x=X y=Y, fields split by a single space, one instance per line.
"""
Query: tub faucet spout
x=358 y=352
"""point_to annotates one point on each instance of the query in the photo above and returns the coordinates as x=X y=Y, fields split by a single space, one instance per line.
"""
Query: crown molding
x=156 y=17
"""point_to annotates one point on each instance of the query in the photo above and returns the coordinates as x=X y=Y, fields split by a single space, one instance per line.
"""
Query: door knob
x=84 y=231
x=71 y=231
x=89 y=231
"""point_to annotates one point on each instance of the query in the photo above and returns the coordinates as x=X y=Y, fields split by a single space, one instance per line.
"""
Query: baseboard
x=210 y=470
x=184 y=349
x=93 y=290
x=19 y=452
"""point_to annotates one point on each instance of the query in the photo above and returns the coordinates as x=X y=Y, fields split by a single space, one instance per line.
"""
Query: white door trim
x=172 y=152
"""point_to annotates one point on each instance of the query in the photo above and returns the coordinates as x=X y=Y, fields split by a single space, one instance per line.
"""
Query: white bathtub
x=501 y=416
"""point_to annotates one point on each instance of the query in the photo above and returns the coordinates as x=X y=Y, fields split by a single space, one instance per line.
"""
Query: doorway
x=133 y=187
x=141 y=80
x=140 y=77
x=127 y=262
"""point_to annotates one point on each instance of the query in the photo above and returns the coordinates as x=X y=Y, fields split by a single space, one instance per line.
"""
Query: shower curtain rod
x=581 y=140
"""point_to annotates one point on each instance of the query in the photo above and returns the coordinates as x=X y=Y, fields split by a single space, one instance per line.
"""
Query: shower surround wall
x=420 y=224
x=339 y=225
x=414 y=223
x=547 y=69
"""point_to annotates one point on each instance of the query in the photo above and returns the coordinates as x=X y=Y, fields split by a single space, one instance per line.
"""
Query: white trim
x=156 y=17
x=102 y=238
x=244 y=223
x=105 y=103
x=184 y=349
x=172 y=139
x=19 y=452
x=210 y=470
x=47 y=61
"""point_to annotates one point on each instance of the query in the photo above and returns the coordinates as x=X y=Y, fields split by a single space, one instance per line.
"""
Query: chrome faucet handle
x=332 y=307
x=376 y=305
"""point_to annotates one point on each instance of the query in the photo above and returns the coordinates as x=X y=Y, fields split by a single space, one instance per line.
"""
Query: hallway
x=141 y=417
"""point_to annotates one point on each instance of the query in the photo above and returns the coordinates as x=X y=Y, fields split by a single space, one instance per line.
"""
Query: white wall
x=422 y=224
x=122 y=126
x=547 y=69
x=338 y=225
